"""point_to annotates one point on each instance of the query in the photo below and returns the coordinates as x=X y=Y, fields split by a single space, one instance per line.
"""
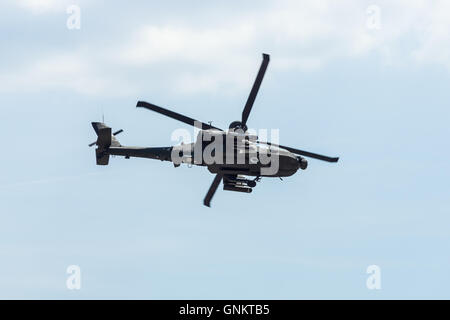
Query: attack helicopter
x=236 y=154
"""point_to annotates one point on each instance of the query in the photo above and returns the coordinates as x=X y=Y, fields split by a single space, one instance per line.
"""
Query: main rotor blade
x=212 y=190
x=174 y=115
x=254 y=92
x=306 y=153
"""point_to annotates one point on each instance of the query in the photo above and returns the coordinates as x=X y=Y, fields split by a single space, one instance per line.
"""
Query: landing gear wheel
x=251 y=184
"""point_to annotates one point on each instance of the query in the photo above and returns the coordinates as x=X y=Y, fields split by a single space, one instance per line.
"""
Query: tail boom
x=158 y=153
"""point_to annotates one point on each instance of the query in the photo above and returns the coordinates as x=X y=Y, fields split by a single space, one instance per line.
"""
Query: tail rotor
x=105 y=139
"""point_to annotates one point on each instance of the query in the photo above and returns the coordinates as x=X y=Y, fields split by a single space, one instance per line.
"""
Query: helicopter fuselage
x=232 y=154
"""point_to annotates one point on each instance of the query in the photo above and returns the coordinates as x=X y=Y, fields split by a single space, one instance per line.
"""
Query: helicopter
x=233 y=156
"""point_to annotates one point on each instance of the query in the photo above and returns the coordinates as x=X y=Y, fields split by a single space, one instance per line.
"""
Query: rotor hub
x=238 y=125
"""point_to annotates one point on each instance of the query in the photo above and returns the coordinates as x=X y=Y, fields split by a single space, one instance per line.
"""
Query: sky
x=363 y=80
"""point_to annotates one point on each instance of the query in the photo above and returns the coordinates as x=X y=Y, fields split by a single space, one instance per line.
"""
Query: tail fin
x=105 y=139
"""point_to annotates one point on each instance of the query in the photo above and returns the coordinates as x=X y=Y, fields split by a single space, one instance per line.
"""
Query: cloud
x=207 y=59
x=433 y=35
x=55 y=72
x=42 y=6
x=155 y=44
x=222 y=55
x=73 y=71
